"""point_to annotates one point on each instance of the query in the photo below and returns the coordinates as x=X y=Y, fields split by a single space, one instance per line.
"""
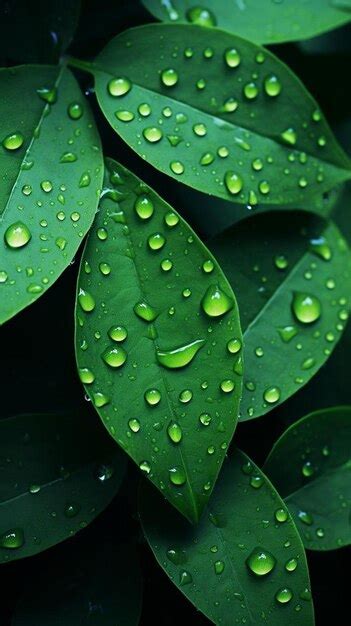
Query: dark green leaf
x=51 y=173
x=168 y=394
x=193 y=110
x=211 y=563
x=58 y=473
x=263 y=21
x=96 y=585
x=310 y=465
x=272 y=265
x=36 y=32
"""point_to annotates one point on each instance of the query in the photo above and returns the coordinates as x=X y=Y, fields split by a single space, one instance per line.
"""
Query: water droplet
x=3 y=276
x=219 y=567
x=104 y=472
x=46 y=186
x=289 y=136
x=17 y=235
x=152 y=397
x=100 y=399
x=227 y=385
x=175 y=432
x=216 y=302
x=185 y=396
x=260 y=562
x=200 y=130
x=177 y=167
x=232 y=57
x=12 y=539
x=13 y=141
x=201 y=16
x=284 y=595
x=179 y=357
x=115 y=356
x=321 y=248
x=145 y=467
x=134 y=425
x=144 y=109
x=86 y=301
x=86 y=375
x=117 y=333
x=256 y=482
x=291 y=565
x=176 y=556
x=305 y=517
x=72 y=509
x=156 y=241
x=259 y=351
x=281 y=515
x=84 y=180
x=234 y=346
x=119 y=86
x=272 y=86
x=124 y=116
x=34 y=488
x=281 y=262
x=171 y=219
x=75 y=110
x=177 y=476
x=250 y=91
x=185 y=578
x=169 y=77
x=306 y=307
x=48 y=94
x=233 y=182
x=153 y=134
x=208 y=266
x=307 y=469
x=145 y=311
x=144 y=207
x=272 y=395
x=287 y=333
x=264 y=187
x=68 y=157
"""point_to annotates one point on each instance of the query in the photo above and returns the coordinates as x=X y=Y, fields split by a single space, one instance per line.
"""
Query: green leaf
x=61 y=471
x=51 y=168
x=219 y=114
x=37 y=34
x=154 y=316
x=214 y=564
x=310 y=465
x=293 y=283
x=85 y=588
x=262 y=21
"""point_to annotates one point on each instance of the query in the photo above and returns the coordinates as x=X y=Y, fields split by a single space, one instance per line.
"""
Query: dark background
x=37 y=364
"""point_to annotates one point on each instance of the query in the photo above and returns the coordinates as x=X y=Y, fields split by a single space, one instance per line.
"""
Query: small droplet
x=146 y=312
x=177 y=167
x=281 y=515
x=201 y=16
x=291 y=565
x=185 y=396
x=219 y=567
x=117 y=333
x=281 y=262
x=171 y=219
x=17 y=235
x=272 y=395
x=86 y=375
x=166 y=265
x=156 y=241
x=114 y=357
x=119 y=86
x=13 y=141
x=72 y=509
x=233 y=182
x=104 y=472
x=100 y=399
x=12 y=539
x=234 y=346
x=152 y=397
x=75 y=110
x=287 y=333
x=175 y=432
x=216 y=302
x=68 y=157
x=200 y=130
x=153 y=134
x=134 y=425
x=177 y=476
x=124 y=116
x=84 y=180
x=289 y=136
x=145 y=467
x=306 y=307
x=86 y=301
x=284 y=595
x=305 y=517
x=272 y=86
x=208 y=266
x=169 y=77
x=185 y=578
x=250 y=91
x=321 y=248
x=260 y=562
x=227 y=386
x=307 y=469
x=144 y=207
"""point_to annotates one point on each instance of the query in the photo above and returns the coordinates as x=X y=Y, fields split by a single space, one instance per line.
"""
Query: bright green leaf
x=158 y=332
x=36 y=34
x=51 y=168
x=85 y=587
x=310 y=465
x=61 y=472
x=219 y=114
x=293 y=283
x=263 y=21
x=244 y=562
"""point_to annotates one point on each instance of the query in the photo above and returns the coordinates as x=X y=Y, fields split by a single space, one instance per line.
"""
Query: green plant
x=176 y=341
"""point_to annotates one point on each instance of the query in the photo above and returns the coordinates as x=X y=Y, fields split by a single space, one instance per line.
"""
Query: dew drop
x=13 y=141
x=12 y=539
x=284 y=595
x=175 y=432
x=146 y=312
x=152 y=134
x=233 y=182
x=232 y=57
x=17 y=235
x=177 y=167
x=86 y=375
x=145 y=467
x=169 y=77
x=179 y=357
x=134 y=425
x=119 y=86
x=86 y=301
x=289 y=136
x=281 y=515
x=144 y=109
x=177 y=476
x=124 y=116
x=152 y=397
x=250 y=91
x=272 y=395
x=144 y=207
x=260 y=562
x=156 y=241
x=306 y=307
x=291 y=565
x=75 y=110
x=272 y=86
x=216 y=302
x=104 y=472
x=201 y=16
x=114 y=357
x=171 y=219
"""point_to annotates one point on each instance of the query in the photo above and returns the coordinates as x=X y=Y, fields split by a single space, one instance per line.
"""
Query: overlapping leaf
x=293 y=283
x=244 y=562
x=310 y=465
x=51 y=169
x=58 y=473
x=262 y=21
x=219 y=114
x=158 y=336
x=85 y=588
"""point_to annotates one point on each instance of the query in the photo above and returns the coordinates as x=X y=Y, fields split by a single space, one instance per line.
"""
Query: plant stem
x=86 y=66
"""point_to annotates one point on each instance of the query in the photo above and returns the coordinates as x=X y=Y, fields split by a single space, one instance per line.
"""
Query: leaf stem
x=86 y=66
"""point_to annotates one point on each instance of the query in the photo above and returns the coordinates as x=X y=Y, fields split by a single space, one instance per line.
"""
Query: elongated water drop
x=216 y=302
x=233 y=182
x=144 y=207
x=260 y=562
x=306 y=307
x=86 y=301
x=17 y=235
x=146 y=312
x=321 y=248
x=175 y=432
x=179 y=357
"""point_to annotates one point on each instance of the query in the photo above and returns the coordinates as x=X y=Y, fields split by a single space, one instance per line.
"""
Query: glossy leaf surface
x=263 y=21
x=51 y=169
x=240 y=564
x=219 y=114
x=86 y=589
x=310 y=465
x=293 y=283
x=60 y=472
x=157 y=338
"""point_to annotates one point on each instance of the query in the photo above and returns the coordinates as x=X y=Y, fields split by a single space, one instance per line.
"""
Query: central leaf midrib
x=41 y=119
x=170 y=404
x=234 y=126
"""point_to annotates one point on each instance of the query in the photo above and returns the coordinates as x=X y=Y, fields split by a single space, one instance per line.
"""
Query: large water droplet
x=12 y=539
x=179 y=357
x=86 y=301
x=119 y=86
x=152 y=134
x=156 y=241
x=152 y=397
x=115 y=356
x=144 y=207
x=272 y=394
x=283 y=595
x=13 y=141
x=306 y=307
x=232 y=57
x=215 y=302
x=201 y=16
x=17 y=235
x=175 y=432
x=272 y=86
x=321 y=248
x=260 y=562
x=177 y=476
x=169 y=77
x=146 y=312
x=117 y=333
x=233 y=182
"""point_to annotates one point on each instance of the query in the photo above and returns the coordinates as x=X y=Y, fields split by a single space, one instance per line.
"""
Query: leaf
x=262 y=21
x=310 y=466
x=85 y=588
x=52 y=170
x=37 y=34
x=293 y=286
x=58 y=473
x=148 y=287
x=210 y=563
x=194 y=111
